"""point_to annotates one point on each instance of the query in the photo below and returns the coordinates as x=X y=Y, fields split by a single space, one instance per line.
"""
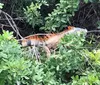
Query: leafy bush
x=16 y=69
x=32 y=14
x=58 y=18
x=88 y=78
x=91 y=75
x=12 y=63
x=72 y=64
x=61 y=15
x=94 y=59
x=67 y=60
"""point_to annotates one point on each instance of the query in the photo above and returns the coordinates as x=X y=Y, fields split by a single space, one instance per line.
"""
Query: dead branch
x=11 y=22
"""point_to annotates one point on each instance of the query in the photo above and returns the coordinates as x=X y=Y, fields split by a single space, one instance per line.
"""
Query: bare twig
x=19 y=18
x=11 y=22
x=2 y=25
x=93 y=31
x=95 y=12
x=88 y=13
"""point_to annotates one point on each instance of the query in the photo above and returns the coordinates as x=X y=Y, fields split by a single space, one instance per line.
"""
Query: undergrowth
x=71 y=64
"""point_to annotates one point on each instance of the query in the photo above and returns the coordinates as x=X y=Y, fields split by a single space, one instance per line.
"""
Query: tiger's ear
x=70 y=27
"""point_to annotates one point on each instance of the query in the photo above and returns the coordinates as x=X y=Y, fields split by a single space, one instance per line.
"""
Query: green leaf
x=57 y=68
x=86 y=1
x=1 y=5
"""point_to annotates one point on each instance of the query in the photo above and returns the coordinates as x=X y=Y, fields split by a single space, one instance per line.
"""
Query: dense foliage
x=58 y=18
x=75 y=61
x=71 y=64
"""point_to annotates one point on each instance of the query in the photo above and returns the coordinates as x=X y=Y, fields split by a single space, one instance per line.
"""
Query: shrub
x=16 y=69
x=88 y=78
x=61 y=15
x=32 y=14
x=72 y=64
x=67 y=60
x=58 y=18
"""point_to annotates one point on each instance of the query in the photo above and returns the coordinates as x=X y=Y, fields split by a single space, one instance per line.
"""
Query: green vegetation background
x=75 y=62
